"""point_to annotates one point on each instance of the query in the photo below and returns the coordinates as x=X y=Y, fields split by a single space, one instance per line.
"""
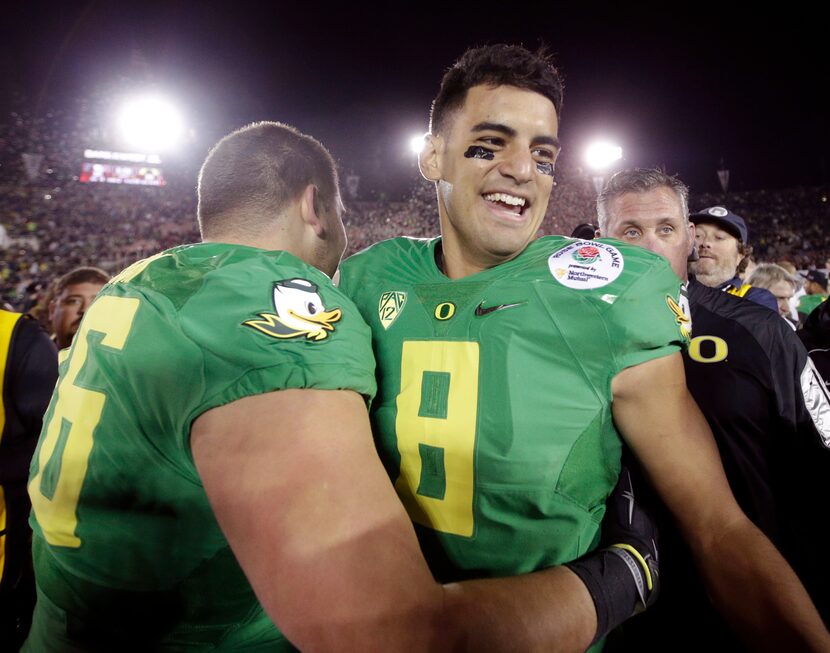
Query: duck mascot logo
x=682 y=313
x=298 y=311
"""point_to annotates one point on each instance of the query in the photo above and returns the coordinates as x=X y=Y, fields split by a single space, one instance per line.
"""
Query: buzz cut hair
x=639 y=180
x=255 y=172
x=495 y=65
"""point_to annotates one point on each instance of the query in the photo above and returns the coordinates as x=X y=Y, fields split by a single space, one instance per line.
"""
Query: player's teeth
x=507 y=199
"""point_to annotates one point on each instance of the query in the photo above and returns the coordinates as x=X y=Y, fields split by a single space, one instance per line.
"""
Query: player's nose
x=518 y=165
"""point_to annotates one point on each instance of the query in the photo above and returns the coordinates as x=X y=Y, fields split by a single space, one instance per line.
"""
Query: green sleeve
x=246 y=350
x=650 y=319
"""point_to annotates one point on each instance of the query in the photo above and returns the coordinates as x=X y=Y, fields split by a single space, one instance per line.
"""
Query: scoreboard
x=103 y=166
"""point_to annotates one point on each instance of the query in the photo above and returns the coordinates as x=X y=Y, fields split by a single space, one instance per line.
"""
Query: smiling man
x=489 y=218
x=509 y=366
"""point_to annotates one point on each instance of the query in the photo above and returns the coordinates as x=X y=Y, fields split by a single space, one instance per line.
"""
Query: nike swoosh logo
x=629 y=496
x=481 y=309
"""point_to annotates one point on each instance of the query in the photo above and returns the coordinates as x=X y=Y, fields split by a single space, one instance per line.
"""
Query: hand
x=622 y=576
x=629 y=531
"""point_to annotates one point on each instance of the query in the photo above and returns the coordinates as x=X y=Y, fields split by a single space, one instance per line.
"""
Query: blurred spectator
x=28 y=371
x=71 y=297
x=789 y=266
x=585 y=231
x=815 y=289
x=779 y=282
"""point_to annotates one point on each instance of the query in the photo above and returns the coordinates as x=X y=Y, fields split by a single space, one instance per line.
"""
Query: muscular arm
x=298 y=489
x=748 y=580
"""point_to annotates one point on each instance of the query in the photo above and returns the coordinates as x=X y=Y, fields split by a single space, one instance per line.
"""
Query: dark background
x=682 y=86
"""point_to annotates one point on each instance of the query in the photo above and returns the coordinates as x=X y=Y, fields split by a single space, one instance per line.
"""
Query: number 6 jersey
x=493 y=414
x=128 y=554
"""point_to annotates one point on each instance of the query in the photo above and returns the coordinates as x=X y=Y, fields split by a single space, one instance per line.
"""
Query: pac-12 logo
x=390 y=306
x=586 y=255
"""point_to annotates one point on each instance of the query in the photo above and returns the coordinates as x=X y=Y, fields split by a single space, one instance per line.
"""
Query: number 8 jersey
x=493 y=413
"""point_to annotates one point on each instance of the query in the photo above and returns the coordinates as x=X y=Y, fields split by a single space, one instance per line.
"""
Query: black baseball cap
x=724 y=218
x=817 y=276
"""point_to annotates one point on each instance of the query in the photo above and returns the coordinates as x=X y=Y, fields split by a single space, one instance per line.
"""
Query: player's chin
x=510 y=245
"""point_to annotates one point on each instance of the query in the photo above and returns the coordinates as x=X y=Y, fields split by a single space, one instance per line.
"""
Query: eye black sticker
x=479 y=152
x=545 y=168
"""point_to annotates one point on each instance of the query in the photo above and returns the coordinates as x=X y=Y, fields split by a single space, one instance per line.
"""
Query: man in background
x=766 y=406
x=815 y=289
x=72 y=295
x=723 y=252
x=28 y=369
x=779 y=282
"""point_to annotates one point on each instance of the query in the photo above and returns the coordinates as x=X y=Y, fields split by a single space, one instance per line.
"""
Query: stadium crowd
x=46 y=231
x=50 y=223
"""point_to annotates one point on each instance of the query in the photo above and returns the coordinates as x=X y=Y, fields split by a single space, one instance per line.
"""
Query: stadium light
x=600 y=155
x=416 y=144
x=151 y=123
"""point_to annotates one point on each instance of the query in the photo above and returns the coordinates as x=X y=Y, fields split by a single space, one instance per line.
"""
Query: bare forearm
x=739 y=576
x=751 y=584
x=549 y=610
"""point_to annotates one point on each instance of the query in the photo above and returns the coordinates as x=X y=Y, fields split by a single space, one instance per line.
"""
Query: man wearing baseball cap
x=816 y=289
x=721 y=240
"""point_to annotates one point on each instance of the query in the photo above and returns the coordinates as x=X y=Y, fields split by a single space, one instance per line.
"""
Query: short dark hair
x=495 y=65
x=79 y=275
x=259 y=170
x=639 y=180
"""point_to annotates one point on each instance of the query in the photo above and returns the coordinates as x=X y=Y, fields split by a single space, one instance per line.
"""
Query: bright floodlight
x=416 y=144
x=601 y=155
x=151 y=124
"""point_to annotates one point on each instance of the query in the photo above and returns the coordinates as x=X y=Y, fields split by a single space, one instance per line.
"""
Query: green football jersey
x=128 y=554
x=808 y=303
x=493 y=413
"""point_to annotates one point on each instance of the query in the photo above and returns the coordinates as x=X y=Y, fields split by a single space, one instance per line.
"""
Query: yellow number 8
x=65 y=449
x=436 y=430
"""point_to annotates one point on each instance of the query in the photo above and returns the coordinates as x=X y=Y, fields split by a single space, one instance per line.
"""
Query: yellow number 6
x=65 y=449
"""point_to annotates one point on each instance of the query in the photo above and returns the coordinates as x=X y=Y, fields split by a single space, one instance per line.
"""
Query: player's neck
x=456 y=263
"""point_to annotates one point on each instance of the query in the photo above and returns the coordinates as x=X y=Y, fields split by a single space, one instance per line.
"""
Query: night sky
x=677 y=86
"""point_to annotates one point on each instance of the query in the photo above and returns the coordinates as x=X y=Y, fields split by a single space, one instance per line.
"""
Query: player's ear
x=693 y=255
x=429 y=158
x=309 y=211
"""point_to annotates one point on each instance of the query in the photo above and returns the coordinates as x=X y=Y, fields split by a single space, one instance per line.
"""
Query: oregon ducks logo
x=444 y=311
x=714 y=351
x=390 y=306
x=299 y=311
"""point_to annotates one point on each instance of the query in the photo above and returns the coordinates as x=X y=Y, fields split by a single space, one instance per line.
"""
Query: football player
x=510 y=366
